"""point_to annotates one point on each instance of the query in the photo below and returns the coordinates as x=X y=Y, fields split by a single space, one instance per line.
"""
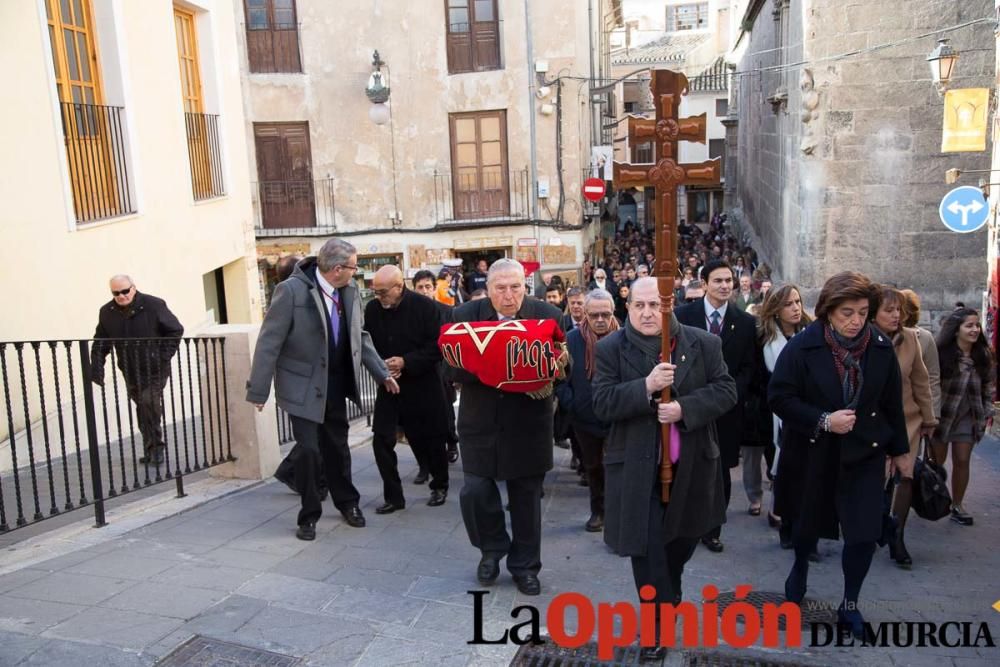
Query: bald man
x=404 y=327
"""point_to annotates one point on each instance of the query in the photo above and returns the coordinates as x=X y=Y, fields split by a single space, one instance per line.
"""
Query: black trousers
x=486 y=523
x=148 y=399
x=430 y=450
x=450 y=395
x=662 y=566
x=592 y=455
x=324 y=447
x=727 y=491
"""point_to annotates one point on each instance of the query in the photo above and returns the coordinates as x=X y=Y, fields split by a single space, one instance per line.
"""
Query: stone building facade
x=835 y=162
x=487 y=139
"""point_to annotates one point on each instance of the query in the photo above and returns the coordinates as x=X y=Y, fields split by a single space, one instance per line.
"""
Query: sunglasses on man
x=122 y=292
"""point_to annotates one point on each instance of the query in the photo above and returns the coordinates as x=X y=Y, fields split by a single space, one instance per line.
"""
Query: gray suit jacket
x=292 y=347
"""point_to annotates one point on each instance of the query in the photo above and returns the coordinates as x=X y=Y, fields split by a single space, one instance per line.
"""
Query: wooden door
x=284 y=172
x=195 y=122
x=480 y=183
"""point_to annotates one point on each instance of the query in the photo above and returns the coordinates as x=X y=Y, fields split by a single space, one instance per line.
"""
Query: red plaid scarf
x=847 y=359
x=590 y=344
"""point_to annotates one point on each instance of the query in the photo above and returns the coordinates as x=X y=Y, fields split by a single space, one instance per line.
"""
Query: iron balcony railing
x=95 y=138
x=367 y=388
x=294 y=208
x=483 y=195
x=205 y=155
x=71 y=443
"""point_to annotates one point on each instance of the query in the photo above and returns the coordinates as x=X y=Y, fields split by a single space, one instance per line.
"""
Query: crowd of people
x=824 y=403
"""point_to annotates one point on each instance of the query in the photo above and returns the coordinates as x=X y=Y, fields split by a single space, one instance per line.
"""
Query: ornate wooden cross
x=665 y=175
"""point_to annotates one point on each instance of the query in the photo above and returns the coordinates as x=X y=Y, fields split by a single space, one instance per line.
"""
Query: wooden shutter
x=473 y=35
x=272 y=36
x=486 y=35
x=480 y=179
x=284 y=170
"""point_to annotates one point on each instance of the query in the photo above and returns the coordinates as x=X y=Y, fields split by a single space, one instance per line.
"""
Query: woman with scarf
x=837 y=389
x=966 y=399
x=781 y=317
x=918 y=406
x=577 y=400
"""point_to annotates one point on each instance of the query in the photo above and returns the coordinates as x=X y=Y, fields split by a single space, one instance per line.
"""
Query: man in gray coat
x=635 y=392
x=312 y=344
x=504 y=437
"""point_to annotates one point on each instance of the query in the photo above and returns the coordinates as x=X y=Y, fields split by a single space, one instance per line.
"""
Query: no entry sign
x=593 y=189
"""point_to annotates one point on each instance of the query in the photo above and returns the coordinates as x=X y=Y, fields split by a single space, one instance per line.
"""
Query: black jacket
x=739 y=348
x=823 y=478
x=575 y=394
x=503 y=435
x=410 y=330
x=146 y=317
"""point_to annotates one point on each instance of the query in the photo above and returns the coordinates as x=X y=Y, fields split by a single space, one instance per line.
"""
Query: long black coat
x=823 y=478
x=503 y=435
x=739 y=333
x=146 y=317
x=410 y=330
x=704 y=391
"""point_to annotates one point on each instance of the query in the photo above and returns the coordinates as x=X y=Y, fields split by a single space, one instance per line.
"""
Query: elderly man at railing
x=145 y=365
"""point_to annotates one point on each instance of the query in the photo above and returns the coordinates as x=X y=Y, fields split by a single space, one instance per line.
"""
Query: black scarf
x=649 y=346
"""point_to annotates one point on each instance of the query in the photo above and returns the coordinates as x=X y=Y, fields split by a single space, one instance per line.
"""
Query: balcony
x=205 y=155
x=294 y=208
x=482 y=196
x=94 y=136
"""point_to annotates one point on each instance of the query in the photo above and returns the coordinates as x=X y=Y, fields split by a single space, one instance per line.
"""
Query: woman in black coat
x=837 y=389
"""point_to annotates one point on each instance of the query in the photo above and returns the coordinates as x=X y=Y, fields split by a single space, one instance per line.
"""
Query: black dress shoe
x=773 y=520
x=713 y=544
x=562 y=444
x=452 y=452
x=154 y=456
x=422 y=477
x=652 y=654
x=488 y=570
x=354 y=517
x=753 y=510
x=595 y=523
x=814 y=556
x=388 y=508
x=306 y=531
x=438 y=496
x=574 y=463
x=528 y=584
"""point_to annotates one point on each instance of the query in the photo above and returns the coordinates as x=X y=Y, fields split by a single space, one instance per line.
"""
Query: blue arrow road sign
x=964 y=210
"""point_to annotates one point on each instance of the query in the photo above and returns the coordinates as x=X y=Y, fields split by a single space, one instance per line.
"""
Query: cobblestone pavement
x=396 y=592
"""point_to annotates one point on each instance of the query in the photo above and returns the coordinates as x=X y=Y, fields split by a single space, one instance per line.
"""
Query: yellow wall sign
x=965 y=122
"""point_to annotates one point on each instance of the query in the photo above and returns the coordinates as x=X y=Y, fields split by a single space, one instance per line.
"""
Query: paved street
x=395 y=592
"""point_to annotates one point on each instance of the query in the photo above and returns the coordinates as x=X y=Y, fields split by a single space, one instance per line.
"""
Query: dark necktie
x=716 y=327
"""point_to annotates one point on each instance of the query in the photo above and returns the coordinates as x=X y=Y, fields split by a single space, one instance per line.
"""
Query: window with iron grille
x=272 y=36
x=687 y=17
x=473 y=35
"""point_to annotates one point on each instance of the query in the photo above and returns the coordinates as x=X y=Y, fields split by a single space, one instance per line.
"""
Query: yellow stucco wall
x=55 y=272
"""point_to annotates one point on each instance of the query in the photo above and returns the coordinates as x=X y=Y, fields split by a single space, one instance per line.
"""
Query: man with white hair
x=504 y=437
x=313 y=346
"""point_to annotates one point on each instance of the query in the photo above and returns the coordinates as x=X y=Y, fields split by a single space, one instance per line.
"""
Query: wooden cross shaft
x=665 y=174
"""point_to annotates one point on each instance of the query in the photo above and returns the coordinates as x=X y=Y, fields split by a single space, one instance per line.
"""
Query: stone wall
x=847 y=173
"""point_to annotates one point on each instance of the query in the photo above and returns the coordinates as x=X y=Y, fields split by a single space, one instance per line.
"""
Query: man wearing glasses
x=313 y=346
x=404 y=327
x=145 y=366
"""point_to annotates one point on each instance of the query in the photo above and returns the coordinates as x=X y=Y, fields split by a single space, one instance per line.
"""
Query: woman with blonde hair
x=928 y=347
x=781 y=317
x=918 y=407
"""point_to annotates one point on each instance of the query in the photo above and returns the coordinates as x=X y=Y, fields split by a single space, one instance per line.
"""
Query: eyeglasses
x=600 y=316
x=349 y=267
x=122 y=292
x=385 y=292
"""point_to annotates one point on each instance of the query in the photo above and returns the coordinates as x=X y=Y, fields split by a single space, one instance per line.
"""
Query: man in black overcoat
x=715 y=314
x=404 y=327
x=504 y=437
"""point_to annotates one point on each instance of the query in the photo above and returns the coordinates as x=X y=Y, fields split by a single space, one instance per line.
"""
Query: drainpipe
x=529 y=50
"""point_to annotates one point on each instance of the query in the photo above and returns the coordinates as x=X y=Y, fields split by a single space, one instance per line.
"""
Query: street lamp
x=942 y=61
x=378 y=93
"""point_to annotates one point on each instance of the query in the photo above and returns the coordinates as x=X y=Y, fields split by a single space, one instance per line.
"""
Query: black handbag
x=931 y=499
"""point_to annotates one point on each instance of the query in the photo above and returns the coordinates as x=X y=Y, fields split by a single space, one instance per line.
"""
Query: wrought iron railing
x=367 y=388
x=205 y=155
x=95 y=137
x=294 y=208
x=72 y=443
x=482 y=195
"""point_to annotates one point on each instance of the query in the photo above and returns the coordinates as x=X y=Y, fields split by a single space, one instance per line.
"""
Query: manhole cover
x=205 y=652
x=813 y=611
x=728 y=660
x=551 y=655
